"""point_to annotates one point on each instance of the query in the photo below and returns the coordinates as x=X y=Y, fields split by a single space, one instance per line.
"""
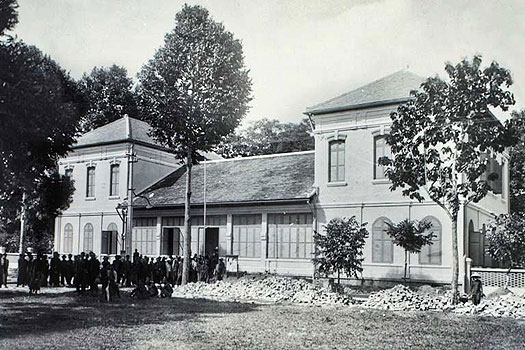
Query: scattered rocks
x=402 y=298
x=267 y=289
x=507 y=305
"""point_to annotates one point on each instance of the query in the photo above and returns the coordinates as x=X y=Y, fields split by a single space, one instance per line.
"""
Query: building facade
x=105 y=164
x=262 y=211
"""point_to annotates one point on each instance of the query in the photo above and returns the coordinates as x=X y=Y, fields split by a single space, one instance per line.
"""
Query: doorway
x=211 y=240
x=171 y=241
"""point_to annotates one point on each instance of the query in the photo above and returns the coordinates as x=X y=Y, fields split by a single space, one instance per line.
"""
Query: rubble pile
x=501 y=306
x=267 y=289
x=401 y=298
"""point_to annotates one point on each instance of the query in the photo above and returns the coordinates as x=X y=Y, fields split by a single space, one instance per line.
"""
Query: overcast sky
x=300 y=52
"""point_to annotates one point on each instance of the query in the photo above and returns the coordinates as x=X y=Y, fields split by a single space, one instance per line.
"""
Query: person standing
x=54 y=270
x=21 y=276
x=476 y=288
x=4 y=264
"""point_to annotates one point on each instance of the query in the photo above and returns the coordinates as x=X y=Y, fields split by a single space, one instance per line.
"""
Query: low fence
x=497 y=277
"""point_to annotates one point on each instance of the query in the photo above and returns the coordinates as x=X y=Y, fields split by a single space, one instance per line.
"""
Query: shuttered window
x=290 y=236
x=337 y=161
x=431 y=254
x=68 y=238
x=381 y=149
x=88 y=238
x=382 y=245
x=247 y=236
x=114 y=180
x=90 y=184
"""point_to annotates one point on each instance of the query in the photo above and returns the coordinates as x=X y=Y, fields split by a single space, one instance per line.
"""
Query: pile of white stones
x=401 y=298
x=271 y=289
x=501 y=306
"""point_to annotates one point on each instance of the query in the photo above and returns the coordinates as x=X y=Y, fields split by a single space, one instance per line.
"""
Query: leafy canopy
x=506 y=239
x=517 y=165
x=267 y=136
x=340 y=248
x=411 y=235
x=196 y=88
x=109 y=95
x=438 y=139
x=8 y=15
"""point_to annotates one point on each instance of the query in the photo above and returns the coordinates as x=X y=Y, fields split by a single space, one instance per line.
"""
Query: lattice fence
x=496 y=277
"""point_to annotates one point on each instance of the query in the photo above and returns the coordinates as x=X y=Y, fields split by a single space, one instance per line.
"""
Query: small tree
x=410 y=235
x=340 y=248
x=506 y=241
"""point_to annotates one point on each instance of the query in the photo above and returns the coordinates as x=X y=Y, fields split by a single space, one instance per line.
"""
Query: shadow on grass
x=23 y=314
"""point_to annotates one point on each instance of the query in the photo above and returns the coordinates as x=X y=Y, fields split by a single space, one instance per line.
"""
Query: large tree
x=8 y=15
x=109 y=94
x=40 y=110
x=194 y=92
x=517 y=165
x=267 y=136
x=441 y=137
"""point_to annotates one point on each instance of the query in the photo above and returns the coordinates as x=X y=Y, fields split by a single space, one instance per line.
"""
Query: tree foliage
x=109 y=94
x=8 y=15
x=194 y=92
x=40 y=109
x=517 y=165
x=439 y=139
x=506 y=239
x=410 y=235
x=267 y=136
x=340 y=248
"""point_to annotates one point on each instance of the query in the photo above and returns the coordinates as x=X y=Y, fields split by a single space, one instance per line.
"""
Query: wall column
x=229 y=234
x=264 y=237
x=461 y=243
x=159 y=234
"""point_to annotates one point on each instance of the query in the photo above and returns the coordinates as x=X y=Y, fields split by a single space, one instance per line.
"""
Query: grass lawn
x=51 y=321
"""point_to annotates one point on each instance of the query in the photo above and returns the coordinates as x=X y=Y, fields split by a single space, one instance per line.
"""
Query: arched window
x=382 y=245
x=68 y=238
x=337 y=161
x=88 y=237
x=431 y=254
x=109 y=239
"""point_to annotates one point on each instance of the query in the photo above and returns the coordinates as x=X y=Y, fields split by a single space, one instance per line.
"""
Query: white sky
x=300 y=52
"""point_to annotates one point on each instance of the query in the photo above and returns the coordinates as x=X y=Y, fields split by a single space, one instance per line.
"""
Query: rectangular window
x=69 y=173
x=290 y=236
x=247 y=236
x=337 y=161
x=114 y=180
x=90 y=184
x=109 y=242
x=144 y=236
x=381 y=149
x=493 y=174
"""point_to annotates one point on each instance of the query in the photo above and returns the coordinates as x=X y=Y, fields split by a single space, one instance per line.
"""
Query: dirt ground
x=67 y=321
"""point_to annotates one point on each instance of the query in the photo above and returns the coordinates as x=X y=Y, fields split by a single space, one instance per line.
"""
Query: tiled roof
x=393 y=88
x=123 y=129
x=277 y=177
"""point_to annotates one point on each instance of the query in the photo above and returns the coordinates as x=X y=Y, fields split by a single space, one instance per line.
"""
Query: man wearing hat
x=476 y=288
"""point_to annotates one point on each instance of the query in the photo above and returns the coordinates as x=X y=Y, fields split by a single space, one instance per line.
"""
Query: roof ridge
x=101 y=127
x=257 y=157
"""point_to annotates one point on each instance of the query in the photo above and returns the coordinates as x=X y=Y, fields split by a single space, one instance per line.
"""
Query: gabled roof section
x=277 y=177
x=121 y=130
x=394 y=88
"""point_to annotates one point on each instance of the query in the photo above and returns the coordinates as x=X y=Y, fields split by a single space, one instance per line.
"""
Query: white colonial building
x=265 y=209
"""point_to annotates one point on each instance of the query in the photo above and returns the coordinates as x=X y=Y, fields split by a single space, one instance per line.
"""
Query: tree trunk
x=507 y=277
x=338 y=278
x=406 y=266
x=187 y=224
x=455 y=260
x=22 y=224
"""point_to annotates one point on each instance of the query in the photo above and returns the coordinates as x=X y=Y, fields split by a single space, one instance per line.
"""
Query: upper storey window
x=381 y=149
x=114 y=180
x=337 y=161
x=90 y=185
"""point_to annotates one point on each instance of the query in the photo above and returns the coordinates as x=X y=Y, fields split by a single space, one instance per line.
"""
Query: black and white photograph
x=273 y=174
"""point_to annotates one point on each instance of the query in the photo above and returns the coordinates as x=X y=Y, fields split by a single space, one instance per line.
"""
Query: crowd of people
x=85 y=272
